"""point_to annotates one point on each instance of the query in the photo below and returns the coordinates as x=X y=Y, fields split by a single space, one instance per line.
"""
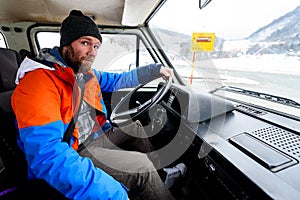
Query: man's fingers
x=166 y=72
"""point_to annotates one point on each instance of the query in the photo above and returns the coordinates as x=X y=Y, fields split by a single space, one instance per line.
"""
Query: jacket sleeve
x=41 y=130
x=61 y=166
x=110 y=82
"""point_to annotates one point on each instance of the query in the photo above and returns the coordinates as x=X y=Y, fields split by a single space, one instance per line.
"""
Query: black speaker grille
x=280 y=139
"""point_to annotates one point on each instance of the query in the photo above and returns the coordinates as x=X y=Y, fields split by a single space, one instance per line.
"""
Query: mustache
x=88 y=58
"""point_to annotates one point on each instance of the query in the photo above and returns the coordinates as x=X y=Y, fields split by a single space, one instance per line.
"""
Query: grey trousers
x=132 y=168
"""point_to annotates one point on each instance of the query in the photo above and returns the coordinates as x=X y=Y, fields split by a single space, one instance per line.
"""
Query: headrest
x=9 y=64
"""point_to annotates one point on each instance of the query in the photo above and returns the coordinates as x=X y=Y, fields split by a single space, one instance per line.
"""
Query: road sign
x=203 y=41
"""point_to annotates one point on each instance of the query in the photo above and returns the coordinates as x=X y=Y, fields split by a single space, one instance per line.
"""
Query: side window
x=2 y=41
x=118 y=52
x=48 y=39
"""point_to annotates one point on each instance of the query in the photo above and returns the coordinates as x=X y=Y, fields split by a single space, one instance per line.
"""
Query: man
x=90 y=165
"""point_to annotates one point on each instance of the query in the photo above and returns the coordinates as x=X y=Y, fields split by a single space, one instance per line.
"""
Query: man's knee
x=143 y=164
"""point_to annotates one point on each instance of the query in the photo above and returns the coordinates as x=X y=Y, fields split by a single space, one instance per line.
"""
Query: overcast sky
x=222 y=16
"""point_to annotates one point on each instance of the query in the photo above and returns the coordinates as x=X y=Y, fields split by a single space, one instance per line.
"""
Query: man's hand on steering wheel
x=166 y=72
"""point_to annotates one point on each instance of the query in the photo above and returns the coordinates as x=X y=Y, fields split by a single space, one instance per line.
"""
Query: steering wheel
x=121 y=118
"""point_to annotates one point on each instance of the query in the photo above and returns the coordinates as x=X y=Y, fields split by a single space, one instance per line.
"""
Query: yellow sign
x=203 y=41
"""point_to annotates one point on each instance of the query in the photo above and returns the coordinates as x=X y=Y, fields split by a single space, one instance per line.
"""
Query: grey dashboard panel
x=205 y=106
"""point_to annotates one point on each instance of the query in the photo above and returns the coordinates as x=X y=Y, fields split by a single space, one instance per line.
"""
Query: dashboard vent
x=281 y=139
x=250 y=110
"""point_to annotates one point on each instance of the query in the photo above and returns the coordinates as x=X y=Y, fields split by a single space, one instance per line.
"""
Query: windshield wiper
x=260 y=95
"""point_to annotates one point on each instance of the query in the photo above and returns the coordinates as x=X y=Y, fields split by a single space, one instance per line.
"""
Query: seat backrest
x=15 y=167
x=9 y=63
x=13 y=181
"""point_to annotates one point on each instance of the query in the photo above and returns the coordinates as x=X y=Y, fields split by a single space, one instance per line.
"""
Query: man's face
x=81 y=53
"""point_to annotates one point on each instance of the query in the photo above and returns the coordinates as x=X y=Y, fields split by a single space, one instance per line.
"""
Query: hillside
x=280 y=36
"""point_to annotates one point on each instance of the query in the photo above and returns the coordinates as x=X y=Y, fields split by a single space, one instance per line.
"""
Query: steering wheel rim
x=126 y=117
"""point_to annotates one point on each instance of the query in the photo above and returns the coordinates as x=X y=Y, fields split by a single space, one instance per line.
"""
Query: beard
x=78 y=64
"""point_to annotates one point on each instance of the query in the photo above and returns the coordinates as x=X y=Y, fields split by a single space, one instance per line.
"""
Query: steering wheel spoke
x=120 y=118
x=128 y=112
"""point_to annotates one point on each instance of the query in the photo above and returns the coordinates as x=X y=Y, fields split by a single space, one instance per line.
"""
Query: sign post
x=203 y=42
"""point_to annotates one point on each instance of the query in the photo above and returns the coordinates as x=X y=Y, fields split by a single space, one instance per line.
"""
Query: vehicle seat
x=12 y=157
x=13 y=176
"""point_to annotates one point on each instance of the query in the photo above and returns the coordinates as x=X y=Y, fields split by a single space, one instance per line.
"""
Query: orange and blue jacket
x=44 y=102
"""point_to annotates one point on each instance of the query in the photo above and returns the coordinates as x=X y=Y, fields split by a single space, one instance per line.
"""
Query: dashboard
x=254 y=152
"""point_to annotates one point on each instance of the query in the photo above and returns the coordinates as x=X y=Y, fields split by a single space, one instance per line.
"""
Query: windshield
x=254 y=45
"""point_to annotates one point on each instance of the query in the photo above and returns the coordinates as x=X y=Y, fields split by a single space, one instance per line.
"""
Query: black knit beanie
x=77 y=25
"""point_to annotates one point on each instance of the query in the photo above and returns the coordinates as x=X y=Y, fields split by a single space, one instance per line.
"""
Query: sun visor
x=133 y=16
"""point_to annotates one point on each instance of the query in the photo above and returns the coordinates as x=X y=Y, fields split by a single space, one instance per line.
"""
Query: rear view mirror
x=203 y=3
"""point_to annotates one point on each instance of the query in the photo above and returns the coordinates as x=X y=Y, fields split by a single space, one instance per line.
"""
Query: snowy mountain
x=281 y=36
x=283 y=33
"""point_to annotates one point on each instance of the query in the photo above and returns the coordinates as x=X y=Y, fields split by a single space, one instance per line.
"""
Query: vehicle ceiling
x=105 y=12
